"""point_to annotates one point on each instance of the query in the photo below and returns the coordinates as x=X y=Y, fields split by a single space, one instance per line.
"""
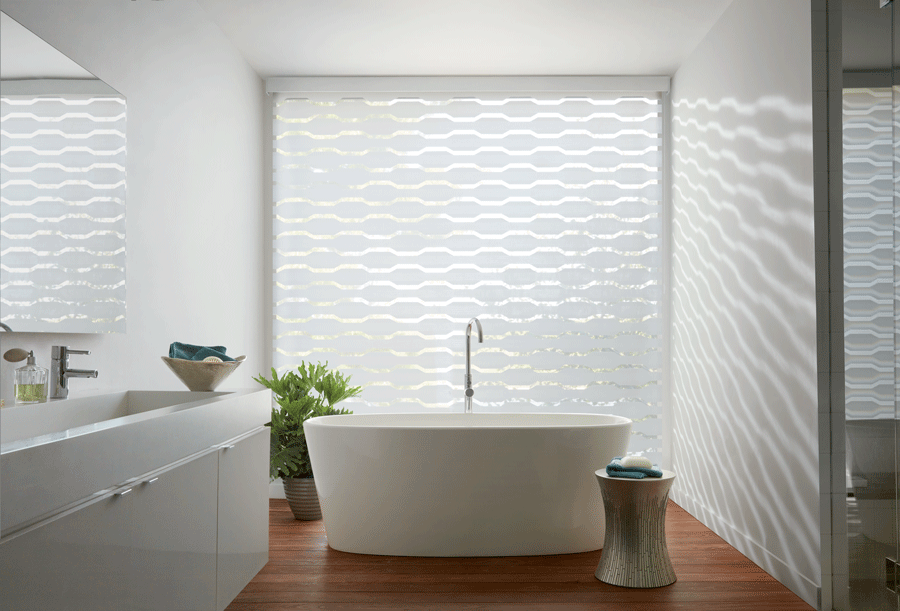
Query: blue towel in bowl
x=189 y=352
x=615 y=469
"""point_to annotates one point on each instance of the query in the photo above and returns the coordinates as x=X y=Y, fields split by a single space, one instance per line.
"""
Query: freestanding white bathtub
x=463 y=484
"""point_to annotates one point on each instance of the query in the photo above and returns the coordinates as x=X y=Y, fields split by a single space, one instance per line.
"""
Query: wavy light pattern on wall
x=62 y=243
x=397 y=219
x=870 y=253
x=743 y=331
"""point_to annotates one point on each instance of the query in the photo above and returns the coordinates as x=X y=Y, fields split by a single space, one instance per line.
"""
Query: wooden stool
x=634 y=549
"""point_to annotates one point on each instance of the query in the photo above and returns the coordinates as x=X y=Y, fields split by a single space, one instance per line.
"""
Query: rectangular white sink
x=43 y=422
x=60 y=453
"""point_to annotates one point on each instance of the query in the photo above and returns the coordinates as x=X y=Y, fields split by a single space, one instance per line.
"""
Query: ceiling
x=464 y=37
x=24 y=55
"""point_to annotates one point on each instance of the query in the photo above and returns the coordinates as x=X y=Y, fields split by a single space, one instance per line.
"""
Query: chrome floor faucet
x=469 y=390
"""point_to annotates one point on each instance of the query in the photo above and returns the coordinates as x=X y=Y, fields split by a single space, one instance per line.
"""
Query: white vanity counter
x=165 y=492
x=22 y=426
x=61 y=452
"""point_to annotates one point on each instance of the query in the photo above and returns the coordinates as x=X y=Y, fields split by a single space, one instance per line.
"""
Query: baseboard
x=796 y=582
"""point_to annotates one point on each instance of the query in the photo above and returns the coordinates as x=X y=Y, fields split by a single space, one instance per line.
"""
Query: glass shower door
x=870 y=347
x=866 y=575
x=892 y=507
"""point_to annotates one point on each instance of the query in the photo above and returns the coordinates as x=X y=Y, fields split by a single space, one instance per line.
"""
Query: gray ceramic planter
x=302 y=498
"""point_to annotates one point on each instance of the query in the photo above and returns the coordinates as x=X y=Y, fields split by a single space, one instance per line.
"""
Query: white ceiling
x=464 y=37
x=24 y=55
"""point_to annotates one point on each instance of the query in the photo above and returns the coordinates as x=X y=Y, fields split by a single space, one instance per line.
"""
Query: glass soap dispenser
x=31 y=380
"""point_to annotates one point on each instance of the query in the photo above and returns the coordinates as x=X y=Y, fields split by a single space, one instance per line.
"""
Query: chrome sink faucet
x=60 y=371
x=469 y=390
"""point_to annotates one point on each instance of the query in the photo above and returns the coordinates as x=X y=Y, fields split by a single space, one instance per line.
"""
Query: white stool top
x=665 y=475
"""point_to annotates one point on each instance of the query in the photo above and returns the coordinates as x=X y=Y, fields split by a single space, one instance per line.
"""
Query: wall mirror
x=62 y=191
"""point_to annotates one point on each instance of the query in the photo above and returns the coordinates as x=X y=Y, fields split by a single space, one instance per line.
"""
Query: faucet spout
x=80 y=373
x=470 y=392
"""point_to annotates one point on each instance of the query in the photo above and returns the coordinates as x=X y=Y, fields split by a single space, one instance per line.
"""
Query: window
x=399 y=216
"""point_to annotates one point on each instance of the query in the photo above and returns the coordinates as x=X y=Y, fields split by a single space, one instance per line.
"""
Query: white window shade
x=400 y=217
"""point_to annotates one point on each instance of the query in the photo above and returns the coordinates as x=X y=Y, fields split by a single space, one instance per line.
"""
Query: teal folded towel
x=189 y=352
x=615 y=469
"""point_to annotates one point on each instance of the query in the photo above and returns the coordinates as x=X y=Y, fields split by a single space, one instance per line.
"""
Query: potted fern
x=309 y=392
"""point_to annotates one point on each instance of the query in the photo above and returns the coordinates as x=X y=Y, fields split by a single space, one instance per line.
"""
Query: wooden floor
x=304 y=573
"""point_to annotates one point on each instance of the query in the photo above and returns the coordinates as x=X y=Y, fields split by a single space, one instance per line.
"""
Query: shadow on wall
x=743 y=311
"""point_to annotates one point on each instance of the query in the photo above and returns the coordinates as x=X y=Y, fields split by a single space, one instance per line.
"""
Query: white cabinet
x=76 y=560
x=187 y=537
x=243 y=514
x=174 y=538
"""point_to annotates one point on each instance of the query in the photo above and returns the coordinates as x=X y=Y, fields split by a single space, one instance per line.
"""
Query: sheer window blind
x=400 y=217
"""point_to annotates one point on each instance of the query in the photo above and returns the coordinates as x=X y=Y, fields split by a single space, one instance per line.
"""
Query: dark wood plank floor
x=304 y=573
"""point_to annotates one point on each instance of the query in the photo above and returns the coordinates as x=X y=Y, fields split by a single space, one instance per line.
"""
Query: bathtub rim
x=341 y=421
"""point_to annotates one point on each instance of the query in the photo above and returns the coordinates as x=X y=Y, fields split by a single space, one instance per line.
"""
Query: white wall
x=744 y=395
x=194 y=214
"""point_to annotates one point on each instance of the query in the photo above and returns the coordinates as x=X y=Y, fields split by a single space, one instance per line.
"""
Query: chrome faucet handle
x=63 y=352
